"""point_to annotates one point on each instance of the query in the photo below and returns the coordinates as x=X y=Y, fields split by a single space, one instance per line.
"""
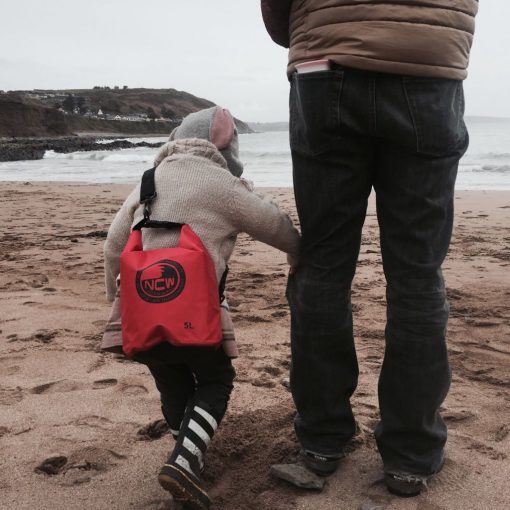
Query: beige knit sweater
x=194 y=186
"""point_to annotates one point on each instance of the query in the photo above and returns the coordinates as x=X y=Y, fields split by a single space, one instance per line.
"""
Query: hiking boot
x=408 y=485
x=322 y=465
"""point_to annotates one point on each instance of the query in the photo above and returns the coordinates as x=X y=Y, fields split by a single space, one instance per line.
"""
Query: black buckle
x=149 y=198
x=147 y=206
x=147 y=211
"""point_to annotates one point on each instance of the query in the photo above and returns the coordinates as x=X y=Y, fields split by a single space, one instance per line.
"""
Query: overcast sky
x=216 y=49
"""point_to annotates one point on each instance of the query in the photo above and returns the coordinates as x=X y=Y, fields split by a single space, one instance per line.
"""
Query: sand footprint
x=80 y=466
x=93 y=421
x=8 y=365
x=271 y=370
x=457 y=415
x=64 y=386
x=154 y=430
x=10 y=396
x=44 y=336
x=104 y=383
x=502 y=433
x=132 y=387
x=36 y=281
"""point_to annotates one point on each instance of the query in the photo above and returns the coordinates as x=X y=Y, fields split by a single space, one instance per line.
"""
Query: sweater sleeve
x=276 y=18
x=116 y=239
x=263 y=220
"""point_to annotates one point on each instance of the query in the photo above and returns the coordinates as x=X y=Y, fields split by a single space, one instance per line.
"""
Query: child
x=197 y=183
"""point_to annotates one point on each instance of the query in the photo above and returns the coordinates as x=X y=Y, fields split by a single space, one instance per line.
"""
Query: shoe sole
x=176 y=482
x=403 y=493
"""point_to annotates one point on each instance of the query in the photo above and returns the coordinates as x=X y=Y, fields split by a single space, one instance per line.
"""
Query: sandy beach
x=87 y=411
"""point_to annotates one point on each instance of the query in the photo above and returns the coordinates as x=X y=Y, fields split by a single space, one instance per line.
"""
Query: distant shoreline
x=19 y=148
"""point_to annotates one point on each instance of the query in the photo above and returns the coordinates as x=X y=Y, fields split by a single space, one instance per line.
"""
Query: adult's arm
x=276 y=18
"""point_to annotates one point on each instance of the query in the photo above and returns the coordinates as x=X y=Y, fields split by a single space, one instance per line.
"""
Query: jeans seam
x=412 y=113
x=374 y=106
x=338 y=100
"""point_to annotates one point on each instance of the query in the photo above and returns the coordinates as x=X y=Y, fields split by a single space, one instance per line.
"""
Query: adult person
x=388 y=115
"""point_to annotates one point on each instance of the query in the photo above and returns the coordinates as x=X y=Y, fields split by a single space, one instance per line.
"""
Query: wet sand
x=64 y=400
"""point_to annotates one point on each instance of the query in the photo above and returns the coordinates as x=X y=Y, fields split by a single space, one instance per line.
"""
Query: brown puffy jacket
x=410 y=37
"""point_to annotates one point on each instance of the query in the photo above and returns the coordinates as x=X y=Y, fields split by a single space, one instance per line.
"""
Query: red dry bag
x=169 y=294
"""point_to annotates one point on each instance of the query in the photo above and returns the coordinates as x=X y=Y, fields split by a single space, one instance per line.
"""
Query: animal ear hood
x=216 y=125
x=171 y=138
x=222 y=128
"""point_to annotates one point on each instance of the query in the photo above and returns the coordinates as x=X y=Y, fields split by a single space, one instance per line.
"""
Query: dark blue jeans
x=352 y=131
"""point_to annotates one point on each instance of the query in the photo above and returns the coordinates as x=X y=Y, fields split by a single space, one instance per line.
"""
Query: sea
x=266 y=156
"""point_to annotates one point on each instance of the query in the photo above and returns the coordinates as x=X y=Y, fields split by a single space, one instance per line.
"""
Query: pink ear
x=222 y=128
x=171 y=138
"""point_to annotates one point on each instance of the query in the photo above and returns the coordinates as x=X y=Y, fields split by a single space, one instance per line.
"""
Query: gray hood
x=217 y=126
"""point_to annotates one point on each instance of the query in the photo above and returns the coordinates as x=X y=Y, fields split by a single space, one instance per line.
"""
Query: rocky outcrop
x=17 y=150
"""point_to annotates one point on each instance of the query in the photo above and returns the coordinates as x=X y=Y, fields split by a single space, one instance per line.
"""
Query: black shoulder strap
x=148 y=186
x=147 y=195
x=222 y=285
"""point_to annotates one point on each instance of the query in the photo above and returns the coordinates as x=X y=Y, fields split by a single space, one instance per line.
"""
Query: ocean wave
x=487 y=155
x=499 y=169
x=264 y=154
x=102 y=156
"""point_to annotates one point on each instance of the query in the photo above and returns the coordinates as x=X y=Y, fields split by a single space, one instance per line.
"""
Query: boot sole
x=404 y=491
x=183 y=489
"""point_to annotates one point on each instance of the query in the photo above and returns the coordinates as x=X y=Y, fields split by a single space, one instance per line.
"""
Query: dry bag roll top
x=168 y=294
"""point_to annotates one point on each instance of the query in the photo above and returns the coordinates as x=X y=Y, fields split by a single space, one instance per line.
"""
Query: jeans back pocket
x=436 y=106
x=315 y=111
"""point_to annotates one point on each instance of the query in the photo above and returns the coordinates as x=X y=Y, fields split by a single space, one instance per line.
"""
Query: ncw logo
x=160 y=282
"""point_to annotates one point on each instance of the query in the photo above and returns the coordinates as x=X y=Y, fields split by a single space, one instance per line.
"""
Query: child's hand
x=293 y=261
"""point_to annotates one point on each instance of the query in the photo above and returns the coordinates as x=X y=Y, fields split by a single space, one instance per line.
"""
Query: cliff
x=22 y=118
x=36 y=114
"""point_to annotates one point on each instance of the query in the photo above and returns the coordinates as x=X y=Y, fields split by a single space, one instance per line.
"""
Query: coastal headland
x=32 y=122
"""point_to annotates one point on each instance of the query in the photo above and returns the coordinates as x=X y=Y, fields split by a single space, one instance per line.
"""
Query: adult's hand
x=293 y=261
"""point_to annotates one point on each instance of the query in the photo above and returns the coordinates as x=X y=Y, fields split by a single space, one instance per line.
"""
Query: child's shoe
x=181 y=474
x=184 y=487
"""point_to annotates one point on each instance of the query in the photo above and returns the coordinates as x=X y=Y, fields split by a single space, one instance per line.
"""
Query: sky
x=216 y=49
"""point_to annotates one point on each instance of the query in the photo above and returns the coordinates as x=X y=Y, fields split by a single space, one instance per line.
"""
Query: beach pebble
x=298 y=475
x=502 y=433
x=52 y=465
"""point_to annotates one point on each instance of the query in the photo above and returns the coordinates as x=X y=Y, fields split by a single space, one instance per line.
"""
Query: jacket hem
x=390 y=67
